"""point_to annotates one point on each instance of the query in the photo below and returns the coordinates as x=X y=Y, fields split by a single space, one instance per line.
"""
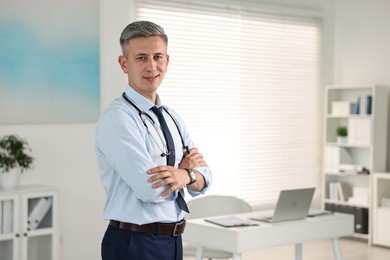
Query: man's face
x=145 y=64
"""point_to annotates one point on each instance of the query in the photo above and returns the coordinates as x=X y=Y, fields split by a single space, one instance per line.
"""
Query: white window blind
x=247 y=84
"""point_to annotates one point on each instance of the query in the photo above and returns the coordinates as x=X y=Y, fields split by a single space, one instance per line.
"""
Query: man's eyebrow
x=144 y=54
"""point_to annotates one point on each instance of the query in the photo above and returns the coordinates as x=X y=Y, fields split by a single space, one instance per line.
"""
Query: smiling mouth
x=150 y=78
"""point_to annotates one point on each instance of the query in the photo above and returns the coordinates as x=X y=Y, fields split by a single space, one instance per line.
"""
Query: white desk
x=242 y=239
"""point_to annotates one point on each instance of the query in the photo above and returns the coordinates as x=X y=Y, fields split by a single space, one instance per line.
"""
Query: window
x=247 y=83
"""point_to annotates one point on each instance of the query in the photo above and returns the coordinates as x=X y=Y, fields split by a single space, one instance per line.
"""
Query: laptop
x=291 y=205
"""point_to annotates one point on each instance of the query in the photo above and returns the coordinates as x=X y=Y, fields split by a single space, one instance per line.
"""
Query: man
x=145 y=157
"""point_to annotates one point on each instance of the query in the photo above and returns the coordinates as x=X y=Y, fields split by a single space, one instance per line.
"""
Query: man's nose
x=151 y=65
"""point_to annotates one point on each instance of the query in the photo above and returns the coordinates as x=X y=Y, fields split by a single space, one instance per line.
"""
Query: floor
x=352 y=249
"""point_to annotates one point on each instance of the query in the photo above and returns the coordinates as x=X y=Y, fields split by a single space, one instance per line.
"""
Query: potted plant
x=342 y=133
x=15 y=158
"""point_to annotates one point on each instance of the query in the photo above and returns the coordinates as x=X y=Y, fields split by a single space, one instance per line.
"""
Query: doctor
x=145 y=157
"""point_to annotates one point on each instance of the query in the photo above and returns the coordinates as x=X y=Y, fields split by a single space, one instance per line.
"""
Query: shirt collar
x=140 y=100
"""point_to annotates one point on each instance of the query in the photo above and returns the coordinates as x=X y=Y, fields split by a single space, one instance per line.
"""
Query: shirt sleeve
x=121 y=144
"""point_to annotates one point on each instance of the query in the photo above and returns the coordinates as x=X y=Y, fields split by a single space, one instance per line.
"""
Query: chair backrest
x=214 y=205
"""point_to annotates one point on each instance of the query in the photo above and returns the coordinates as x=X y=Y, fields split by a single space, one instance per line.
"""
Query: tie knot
x=157 y=110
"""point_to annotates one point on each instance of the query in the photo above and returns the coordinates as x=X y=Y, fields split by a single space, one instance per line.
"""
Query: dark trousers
x=119 y=244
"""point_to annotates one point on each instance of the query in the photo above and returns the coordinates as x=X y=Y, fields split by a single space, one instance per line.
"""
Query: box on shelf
x=341 y=108
x=360 y=196
x=385 y=202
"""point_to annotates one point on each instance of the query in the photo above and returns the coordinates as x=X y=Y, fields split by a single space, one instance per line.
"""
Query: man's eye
x=141 y=58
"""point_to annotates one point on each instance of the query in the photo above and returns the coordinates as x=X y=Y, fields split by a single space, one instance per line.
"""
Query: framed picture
x=49 y=61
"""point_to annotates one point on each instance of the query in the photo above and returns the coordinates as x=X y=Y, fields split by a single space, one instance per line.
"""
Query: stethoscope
x=145 y=116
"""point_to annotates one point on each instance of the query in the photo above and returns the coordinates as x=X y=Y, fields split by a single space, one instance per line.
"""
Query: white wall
x=362 y=53
x=65 y=153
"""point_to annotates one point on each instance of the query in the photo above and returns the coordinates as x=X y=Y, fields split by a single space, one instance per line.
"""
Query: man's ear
x=122 y=63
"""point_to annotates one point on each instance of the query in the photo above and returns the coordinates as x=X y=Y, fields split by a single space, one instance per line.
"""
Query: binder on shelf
x=369 y=105
x=365 y=105
x=334 y=157
x=7 y=217
x=344 y=209
x=332 y=193
x=361 y=220
x=329 y=207
x=359 y=131
x=356 y=109
x=38 y=213
x=1 y=217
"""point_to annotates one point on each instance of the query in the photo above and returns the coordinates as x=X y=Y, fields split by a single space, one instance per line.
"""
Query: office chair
x=209 y=206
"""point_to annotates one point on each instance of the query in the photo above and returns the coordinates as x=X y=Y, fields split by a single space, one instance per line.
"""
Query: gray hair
x=140 y=29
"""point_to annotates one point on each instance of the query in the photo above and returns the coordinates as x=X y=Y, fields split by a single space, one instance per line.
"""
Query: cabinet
x=381 y=209
x=28 y=224
x=349 y=165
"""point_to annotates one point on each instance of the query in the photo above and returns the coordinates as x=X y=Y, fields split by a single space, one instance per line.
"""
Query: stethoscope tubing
x=146 y=115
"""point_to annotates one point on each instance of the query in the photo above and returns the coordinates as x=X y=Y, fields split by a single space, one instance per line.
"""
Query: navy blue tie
x=170 y=153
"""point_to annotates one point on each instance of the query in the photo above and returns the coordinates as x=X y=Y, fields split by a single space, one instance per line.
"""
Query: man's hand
x=168 y=175
x=192 y=160
x=178 y=178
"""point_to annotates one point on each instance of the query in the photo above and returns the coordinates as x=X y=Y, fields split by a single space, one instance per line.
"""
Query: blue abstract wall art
x=49 y=61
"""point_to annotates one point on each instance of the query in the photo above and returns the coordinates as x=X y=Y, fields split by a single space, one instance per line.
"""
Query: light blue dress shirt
x=126 y=149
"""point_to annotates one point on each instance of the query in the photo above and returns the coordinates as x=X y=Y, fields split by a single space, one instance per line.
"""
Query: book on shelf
x=344 y=191
x=363 y=105
x=38 y=213
x=339 y=191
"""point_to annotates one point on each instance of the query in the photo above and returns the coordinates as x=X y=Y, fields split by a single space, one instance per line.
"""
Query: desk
x=242 y=239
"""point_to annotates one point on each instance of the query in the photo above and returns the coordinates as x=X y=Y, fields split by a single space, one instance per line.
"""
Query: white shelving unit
x=28 y=224
x=349 y=166
x=381 y=209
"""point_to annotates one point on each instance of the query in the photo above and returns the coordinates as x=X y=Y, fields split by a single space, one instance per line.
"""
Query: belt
x=174 y=229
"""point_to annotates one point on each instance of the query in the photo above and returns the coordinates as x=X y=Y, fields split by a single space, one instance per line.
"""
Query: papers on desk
x=232 y=221
x=317 y=212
